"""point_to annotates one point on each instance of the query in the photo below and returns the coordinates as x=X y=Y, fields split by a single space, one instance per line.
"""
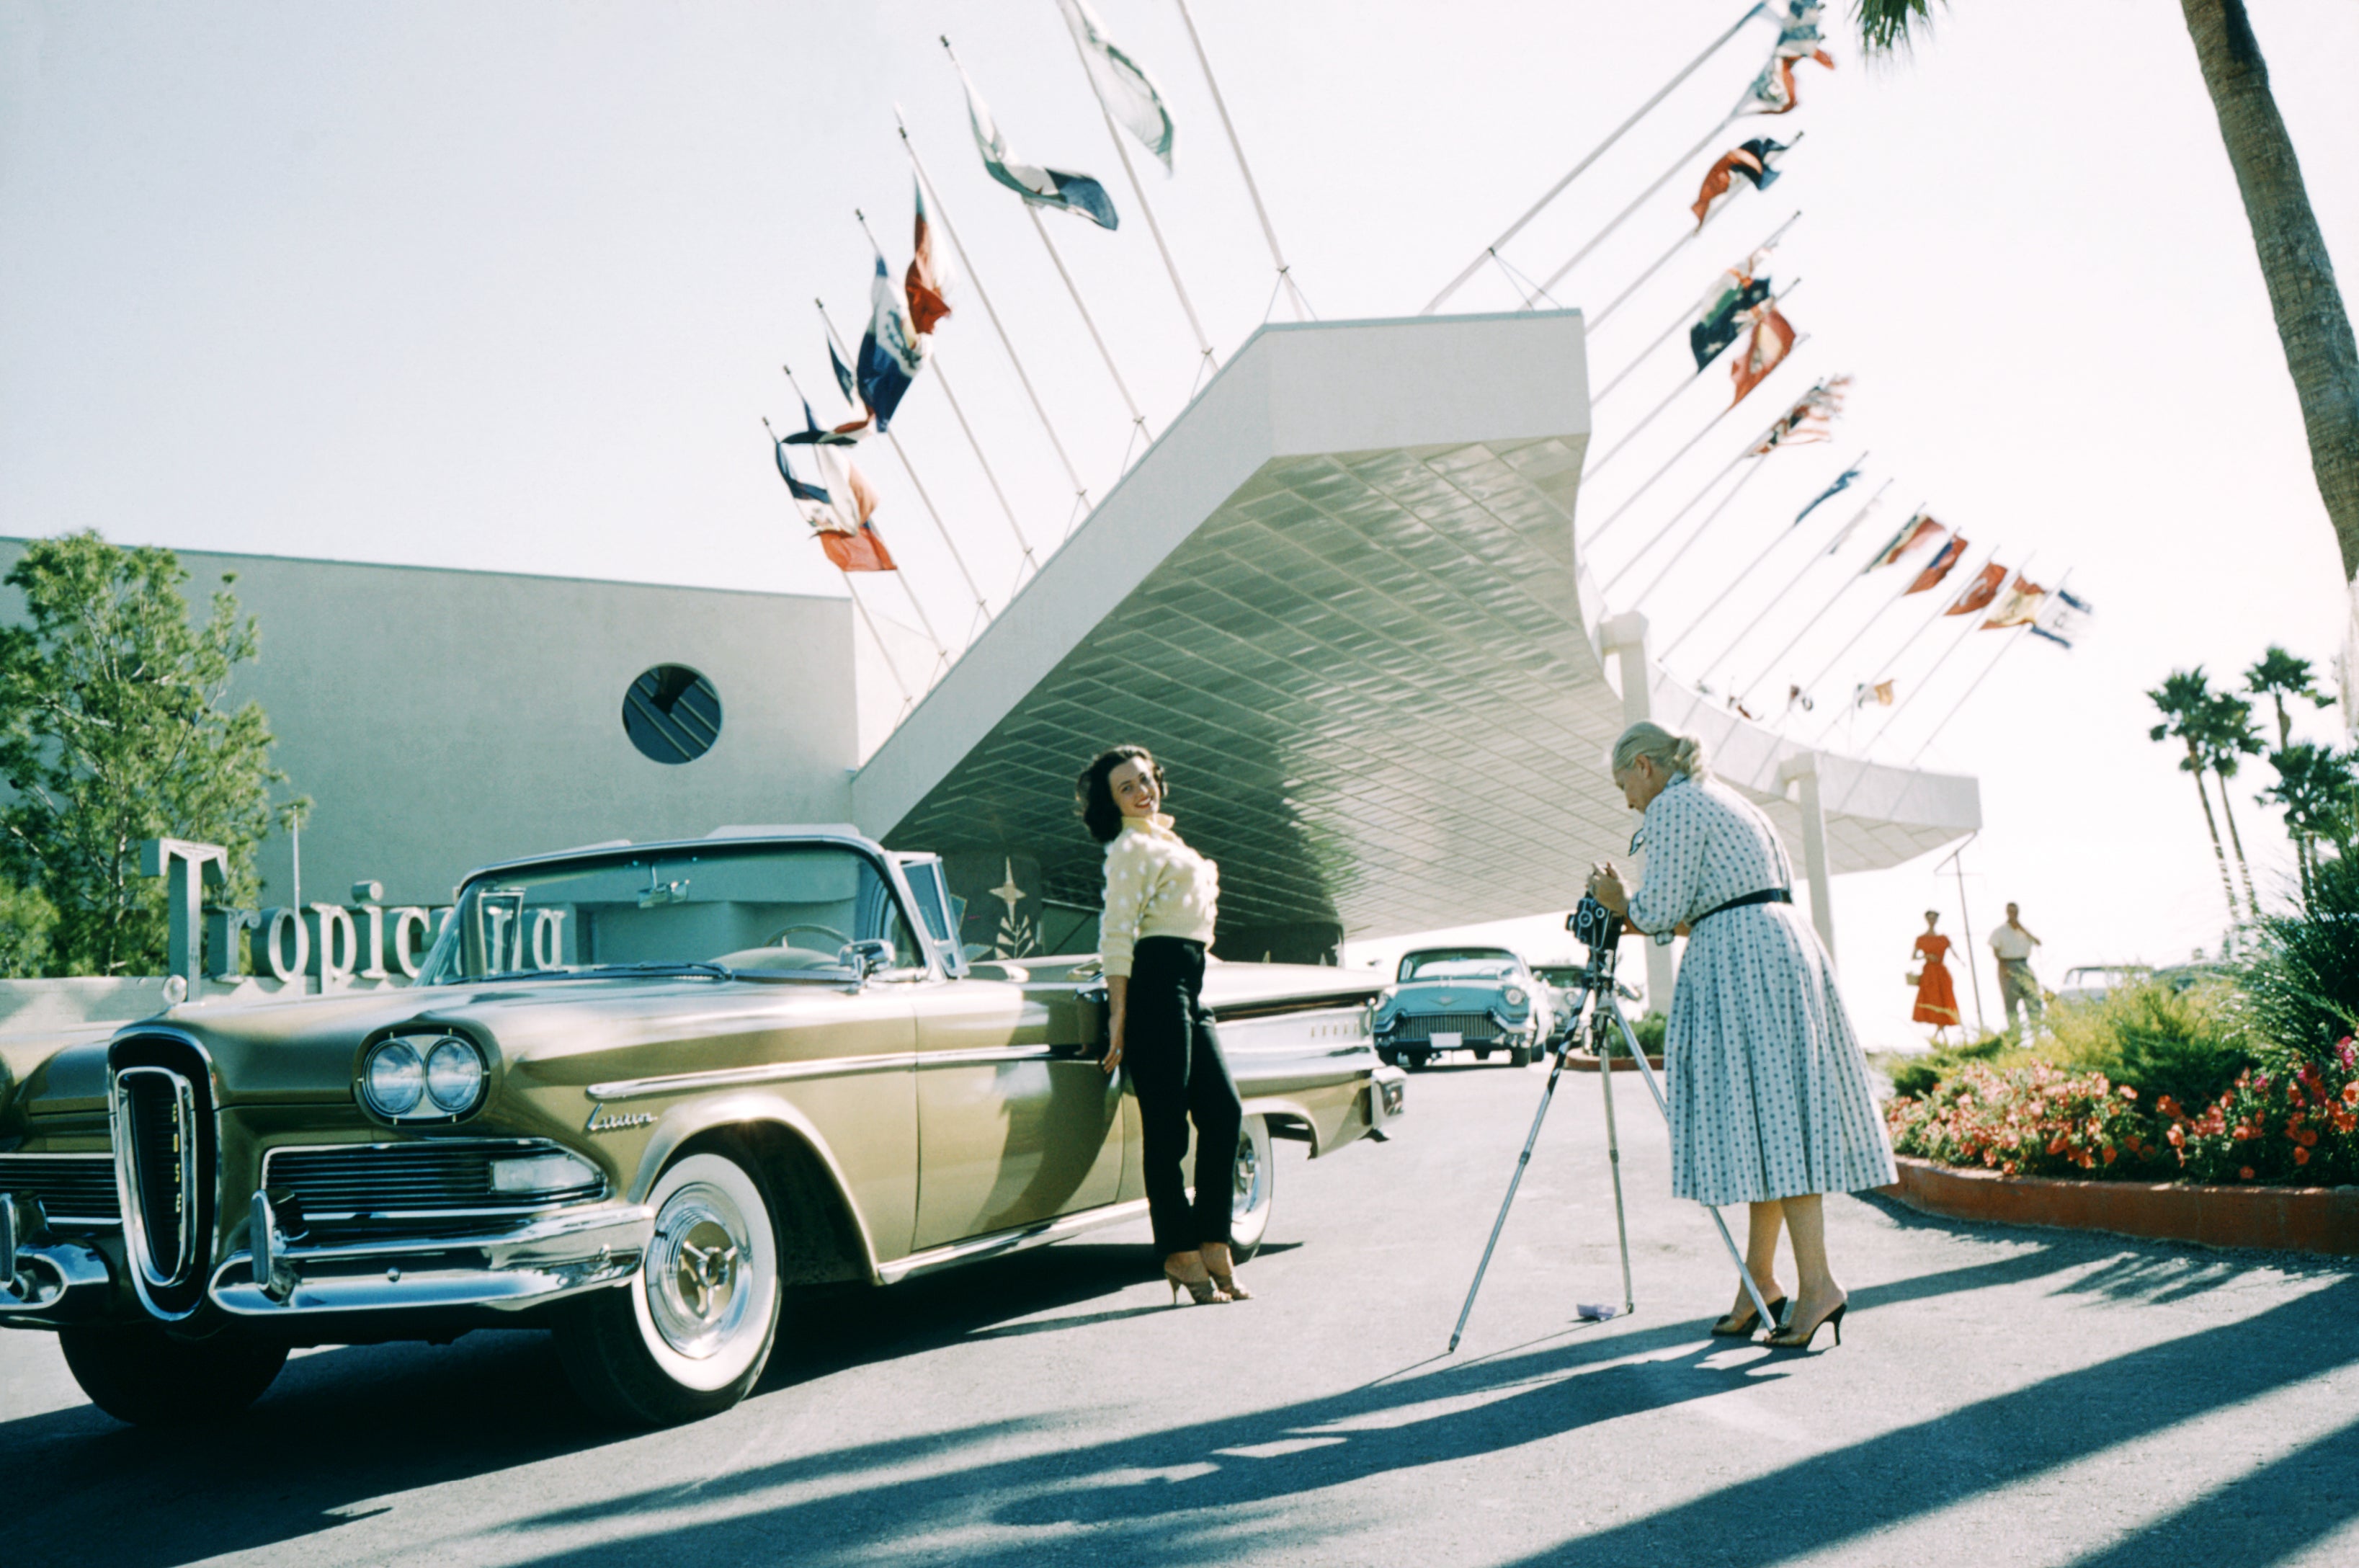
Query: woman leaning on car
x=1161 y=898
x=1769 y=1099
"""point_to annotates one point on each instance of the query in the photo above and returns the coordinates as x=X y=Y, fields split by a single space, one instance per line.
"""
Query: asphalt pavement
x=2001 y=1397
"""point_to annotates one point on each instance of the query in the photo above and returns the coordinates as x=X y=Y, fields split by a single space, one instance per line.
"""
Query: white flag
x=1125 y=88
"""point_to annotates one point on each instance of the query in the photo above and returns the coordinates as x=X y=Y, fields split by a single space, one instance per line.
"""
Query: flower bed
x=2278 y=1219
x=2299 y=1124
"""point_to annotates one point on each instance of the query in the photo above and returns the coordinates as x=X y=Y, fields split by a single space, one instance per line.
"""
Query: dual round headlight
x=1513 y=996
x=412 y=1078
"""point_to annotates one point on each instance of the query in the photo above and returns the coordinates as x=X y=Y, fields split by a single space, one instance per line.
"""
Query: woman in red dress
x=1937 y=999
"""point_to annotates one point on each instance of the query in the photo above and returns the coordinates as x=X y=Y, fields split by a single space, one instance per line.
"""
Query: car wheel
x=687 y=1335
x=1256 y=1189
x=1414 y=1061
x=1388 y=1056
x=1482 y=1053
x=1520 y=1056
x=140 y=1375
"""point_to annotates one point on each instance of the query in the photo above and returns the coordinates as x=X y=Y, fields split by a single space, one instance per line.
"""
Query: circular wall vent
x=672 y=714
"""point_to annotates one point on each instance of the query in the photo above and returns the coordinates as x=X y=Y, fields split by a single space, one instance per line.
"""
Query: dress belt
x=1766 y=895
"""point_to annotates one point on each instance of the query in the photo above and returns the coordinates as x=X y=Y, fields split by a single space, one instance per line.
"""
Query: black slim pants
x=1177 y=1069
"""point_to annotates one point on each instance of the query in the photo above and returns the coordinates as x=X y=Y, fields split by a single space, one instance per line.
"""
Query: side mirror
x=867 y=958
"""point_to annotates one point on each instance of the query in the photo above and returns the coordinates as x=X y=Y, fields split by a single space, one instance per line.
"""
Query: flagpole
x=1780 y=536
x=1794 y=581
x=1137 y=188
x=1632 y=499
x=1890 y=660
x=983 y=606
x=1581 y=168
x=1925 y=680
x=941 y=377
x=941 y=649
x=1684 y=318
x=2007 y=647
x=1678 y=245
x=1221 y=104
x=1136 y=419
x=967 y=265
x=1851 y=579
x=1702 y=529
x=1632 y=434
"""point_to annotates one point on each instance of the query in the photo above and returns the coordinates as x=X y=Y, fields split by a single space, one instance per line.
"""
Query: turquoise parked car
x=1477 y=999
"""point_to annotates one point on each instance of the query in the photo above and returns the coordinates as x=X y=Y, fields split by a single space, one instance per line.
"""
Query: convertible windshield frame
x=662 y=863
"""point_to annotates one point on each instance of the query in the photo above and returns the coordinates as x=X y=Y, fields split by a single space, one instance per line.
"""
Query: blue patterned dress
x=1768 y=1090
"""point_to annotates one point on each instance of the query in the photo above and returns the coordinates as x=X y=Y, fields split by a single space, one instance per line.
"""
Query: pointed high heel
x=1202 y=1292
x=1225 y=1281
x=1787 y=1339
x=1730 y=1327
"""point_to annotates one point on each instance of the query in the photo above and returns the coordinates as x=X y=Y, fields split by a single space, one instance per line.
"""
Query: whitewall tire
x=1255 y=1185
x=687 y=1335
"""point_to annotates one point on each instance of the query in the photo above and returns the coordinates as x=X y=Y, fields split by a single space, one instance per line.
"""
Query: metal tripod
x=1595 y=995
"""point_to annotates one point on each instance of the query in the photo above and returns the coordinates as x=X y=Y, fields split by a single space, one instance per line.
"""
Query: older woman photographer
x=1769 y=1099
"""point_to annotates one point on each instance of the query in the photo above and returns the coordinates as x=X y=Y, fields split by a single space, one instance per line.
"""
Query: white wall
x=439 y=719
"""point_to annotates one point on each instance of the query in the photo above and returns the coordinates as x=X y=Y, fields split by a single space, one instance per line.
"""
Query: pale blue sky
x=507 y=286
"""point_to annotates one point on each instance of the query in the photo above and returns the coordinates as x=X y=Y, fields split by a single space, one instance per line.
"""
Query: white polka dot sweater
x=1156 y=886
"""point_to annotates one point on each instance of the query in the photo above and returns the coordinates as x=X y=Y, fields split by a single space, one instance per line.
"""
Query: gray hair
x=1672 y=753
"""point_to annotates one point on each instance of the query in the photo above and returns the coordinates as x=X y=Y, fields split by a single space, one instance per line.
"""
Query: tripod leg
x=1514 y=1182
x=1614 y=1154
x=1630 y=1039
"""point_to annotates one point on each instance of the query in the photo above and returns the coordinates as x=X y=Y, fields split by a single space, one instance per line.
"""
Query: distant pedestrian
x=1937 y=997
x=2018 y=988
x=1769 y=1096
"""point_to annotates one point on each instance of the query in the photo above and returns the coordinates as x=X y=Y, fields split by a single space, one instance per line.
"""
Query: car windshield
x=1459 y=964
x=762 y=910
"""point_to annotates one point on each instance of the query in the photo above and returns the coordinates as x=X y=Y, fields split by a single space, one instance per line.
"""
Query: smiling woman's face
x=1133 y=785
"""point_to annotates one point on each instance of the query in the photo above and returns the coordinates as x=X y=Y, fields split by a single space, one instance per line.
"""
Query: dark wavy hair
x=1093 y=797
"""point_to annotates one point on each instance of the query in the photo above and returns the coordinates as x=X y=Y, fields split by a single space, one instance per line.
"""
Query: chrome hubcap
x=697 y=1290
x=1248 y=1186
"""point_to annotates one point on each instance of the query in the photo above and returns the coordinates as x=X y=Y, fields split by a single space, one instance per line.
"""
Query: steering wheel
x=778 y=939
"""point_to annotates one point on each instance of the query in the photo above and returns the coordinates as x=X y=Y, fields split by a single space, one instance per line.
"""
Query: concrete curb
x=1581 y=1061
x=2274 y=1219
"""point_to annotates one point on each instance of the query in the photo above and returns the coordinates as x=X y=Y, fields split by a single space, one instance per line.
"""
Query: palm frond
x=1886 y=26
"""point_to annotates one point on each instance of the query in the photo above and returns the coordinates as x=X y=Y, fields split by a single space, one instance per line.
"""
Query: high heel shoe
x=1787 y=1339
x=1225 y=1281
x=1202 y=1292
x=1730 y=1327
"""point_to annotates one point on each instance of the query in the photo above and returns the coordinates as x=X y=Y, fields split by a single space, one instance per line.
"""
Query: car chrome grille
x=440 y=1177
x=74 y=1188
x=1425 y=1025
x=158 y=1146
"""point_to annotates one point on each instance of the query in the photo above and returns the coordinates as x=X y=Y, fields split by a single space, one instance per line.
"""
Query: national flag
x=1980 y=592
x=1945 y=560
x=1809 y=419
x=1755 y=161
x=1772 y=91
x=1041 y=187
x=1736 y=291
x=2019 y=608
x=891 y=350
x=925 y=279
x=2065 y=619
x=1843 y=483
x=1124 y=86
x=1920 y=529
x=796 y=487
x=1771 y=340
x=845 y=528
x=846 y=434
x=844 y=382
x=1880 y=694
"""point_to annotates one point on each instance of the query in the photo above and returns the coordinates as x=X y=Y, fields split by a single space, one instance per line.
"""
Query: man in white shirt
x=2018 y=988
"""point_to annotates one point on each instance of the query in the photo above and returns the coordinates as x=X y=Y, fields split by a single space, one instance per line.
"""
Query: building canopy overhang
x=1341 y=602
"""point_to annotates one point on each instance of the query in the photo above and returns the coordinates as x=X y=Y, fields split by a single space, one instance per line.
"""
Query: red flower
x=2350 y=1090
x=2301 y=1156
x=2112 y=1154
x=2127 y=1093
x=2309 y=1140
x=2245 y=1174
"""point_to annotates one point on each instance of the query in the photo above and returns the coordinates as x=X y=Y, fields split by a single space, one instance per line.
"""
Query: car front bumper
x=553 y=1256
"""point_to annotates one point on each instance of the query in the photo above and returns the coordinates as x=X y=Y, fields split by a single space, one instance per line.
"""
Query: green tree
x=2312 y=326
x=25 y=921
x=2279 y=676
x=2318 y=788
x=2185 y=700
x=2226 y=736
x=112 y=731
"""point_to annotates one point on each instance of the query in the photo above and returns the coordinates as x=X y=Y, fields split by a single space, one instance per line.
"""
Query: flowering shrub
x=2298 y=1124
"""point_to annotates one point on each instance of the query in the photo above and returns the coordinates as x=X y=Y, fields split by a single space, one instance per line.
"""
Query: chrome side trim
x=994 y=1053
x=1000 y=1243
x=736 y=1077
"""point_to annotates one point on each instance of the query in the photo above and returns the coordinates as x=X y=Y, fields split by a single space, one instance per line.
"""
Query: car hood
x=309 y=1051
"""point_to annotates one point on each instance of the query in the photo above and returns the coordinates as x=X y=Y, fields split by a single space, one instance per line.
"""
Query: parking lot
x=2001 y=1397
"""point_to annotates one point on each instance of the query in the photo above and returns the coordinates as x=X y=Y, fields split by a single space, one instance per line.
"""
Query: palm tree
x=2278 y=676
x=2185 y=700
x=2226 y=738
x=2312 y=323
x=2319 y=788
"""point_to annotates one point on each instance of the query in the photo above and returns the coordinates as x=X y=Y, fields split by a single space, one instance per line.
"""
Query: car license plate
x=1448 y=1040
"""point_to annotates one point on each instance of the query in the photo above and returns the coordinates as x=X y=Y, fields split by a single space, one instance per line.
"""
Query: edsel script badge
x=615 y=1124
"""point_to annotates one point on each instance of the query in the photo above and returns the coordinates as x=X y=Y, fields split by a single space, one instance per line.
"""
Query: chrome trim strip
x=1002 y=1241
x=769 y=1073
x=994 y=1053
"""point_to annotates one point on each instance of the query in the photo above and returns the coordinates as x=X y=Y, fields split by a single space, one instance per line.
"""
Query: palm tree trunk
x=2228 y=810
x=2227 y=885
x=2311 y=322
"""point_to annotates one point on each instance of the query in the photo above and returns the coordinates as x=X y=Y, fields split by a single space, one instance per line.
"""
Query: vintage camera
x=1594 y=925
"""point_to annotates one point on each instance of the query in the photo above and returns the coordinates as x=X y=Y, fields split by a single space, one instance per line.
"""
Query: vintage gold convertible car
x=639 y=1095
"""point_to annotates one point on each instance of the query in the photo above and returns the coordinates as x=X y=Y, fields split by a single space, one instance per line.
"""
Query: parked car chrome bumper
x=551 y=1258
x=53 y=1282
